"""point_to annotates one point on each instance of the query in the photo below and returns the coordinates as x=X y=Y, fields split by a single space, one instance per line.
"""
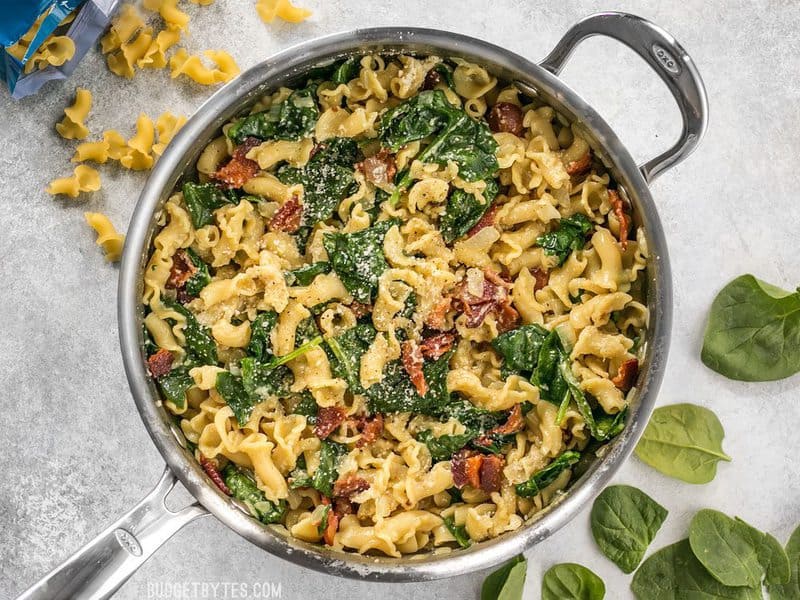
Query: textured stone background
x=75 y=454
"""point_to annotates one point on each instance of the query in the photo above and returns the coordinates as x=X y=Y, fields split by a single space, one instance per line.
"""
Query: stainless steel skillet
x=102 y=566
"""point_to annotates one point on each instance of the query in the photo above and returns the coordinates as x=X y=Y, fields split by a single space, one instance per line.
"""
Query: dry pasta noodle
x=83 y=179
x=108 y=238
x=388 y=333
x=283 y=9
x=72 y=126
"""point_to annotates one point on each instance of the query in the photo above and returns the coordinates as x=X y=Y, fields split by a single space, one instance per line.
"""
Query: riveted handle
x=666 y=57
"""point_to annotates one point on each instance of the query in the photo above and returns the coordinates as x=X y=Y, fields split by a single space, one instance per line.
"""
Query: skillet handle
x=99 y=568
x=666 y=57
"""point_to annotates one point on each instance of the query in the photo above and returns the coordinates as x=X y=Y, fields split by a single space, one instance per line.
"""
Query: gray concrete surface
x=74 y=453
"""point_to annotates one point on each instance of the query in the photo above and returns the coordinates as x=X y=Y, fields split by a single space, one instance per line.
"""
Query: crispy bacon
x=181 y=270
x=491 y=475
x=434 y=346
x=370 y=428
x=542 y=278
x=380 y=168
x=507 y=317
x=513 y=424
x=349 y=486
x=211 y=470
x=436 y=317
x=618 y=205
x=432 y=79
x=160 y=363
x=626 y=374
x=342 y=507
x=359 y=309
x=331 y=524
x=328 y=420
x=466 y=468
x=412 y=363
x=580 y=166
x=239 y=169
x=495 y=298
x=287 y=218
x=487 y=220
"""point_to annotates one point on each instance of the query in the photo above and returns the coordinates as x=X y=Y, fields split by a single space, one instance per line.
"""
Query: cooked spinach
x=307 y=407
x=200 y=346
x=261 y=379
x=458 y=531
x=358 y=259
x=569 y=235
x=444 y=446
x=260 y=345
x=327 y=471
x=231 y=389
x=445 y=73
x=201 y=278
x=473 y=418
x=455 y=136
x=520 y=348
x=541 y=479
x=396 y=393
x=346 y=70
x=791 y=589
x=624 y=522
x=245 y=490
x=202 y=199
x=347 y=350
x=327 y=178
x=306 y=274
x=292 y=119
x=571 y=581
x=683 y=441
x=306 y=331
x=174 y=385
x=507 y=582
x=753 y=331
x=464 y=210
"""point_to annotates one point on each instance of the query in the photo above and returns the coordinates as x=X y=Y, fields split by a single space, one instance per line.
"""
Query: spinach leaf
x=327 y=178
x=306 y=331
x=464 y=210
x=358 y=259
x=260 y=345
x=444 y=446
x=174 y=385
x=231 y=388
x=327 y=471
x=202 y=199
x=445 y=73
x=753 y=331
x=520 y=348
x=201 y=277
x=568 y=236
x=307 y=407
x=507 y=582
x=458 y=531
x=245 y=490
x=200 y=346
x=674 y=572
x=396 y=393
x=571 y=581
x=262 y=379
x=469 y=415
x=541 y=479
x=456 y=137
x=347 y=70
x=791 y=589
x=735 y=553
x=624 y=522
x=292 y=119
x=347 y=349
x=307 y=273
x=683 y=441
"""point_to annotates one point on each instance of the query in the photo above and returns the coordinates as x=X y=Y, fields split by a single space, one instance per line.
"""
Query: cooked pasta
x=393 y=311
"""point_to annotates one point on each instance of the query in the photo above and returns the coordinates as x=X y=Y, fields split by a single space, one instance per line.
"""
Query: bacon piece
x=618 y=205
x=328 y=420
x=626 y=374
x=331 y=523
x=434 y=346
x=491 y=474
x=487 y=220
x=239 y=169
x=380 y=168
x=495 y=298
x=287 y=218
x=507 y=317
x=412 y=363
x=436 y=317
x=580 y=166
x=542 y=278
x=160 y=363
x=349 y=486
x=211 y=470
x=181 y=270
x=466 y=468
x=513 y=424
x=342 y=507
x=370 y=428
x=359 y=309
x=432 y=79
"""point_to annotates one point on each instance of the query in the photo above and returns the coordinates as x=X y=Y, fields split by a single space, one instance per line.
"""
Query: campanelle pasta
x=397 y=304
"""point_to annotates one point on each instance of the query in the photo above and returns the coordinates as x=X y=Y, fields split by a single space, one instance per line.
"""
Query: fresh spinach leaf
x=507 y=582
x=444 y=446
x=568 y=236
x=202 y=199
x=458 y=531
x=245 y=490
x=327 y=471
x=292 y=119
x=753 y=331
x=541 y=479
x=307 y=273
x=674 y=572
x=174 y=385
x=735 y=553
x=520 y=348
x=791 y=589
x=683 y=441
x=200 y=346
x=463 y=210
x=358 y=259
x=571 y=581
x=347 y=349
x=625 y=521
x=201 y=277
x=260 y=345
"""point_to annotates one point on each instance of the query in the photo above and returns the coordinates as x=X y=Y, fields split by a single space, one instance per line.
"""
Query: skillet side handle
x=99 y=568
x=666 y=57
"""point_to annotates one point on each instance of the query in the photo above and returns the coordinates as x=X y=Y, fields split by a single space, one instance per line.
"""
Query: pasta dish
x=396 y=306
